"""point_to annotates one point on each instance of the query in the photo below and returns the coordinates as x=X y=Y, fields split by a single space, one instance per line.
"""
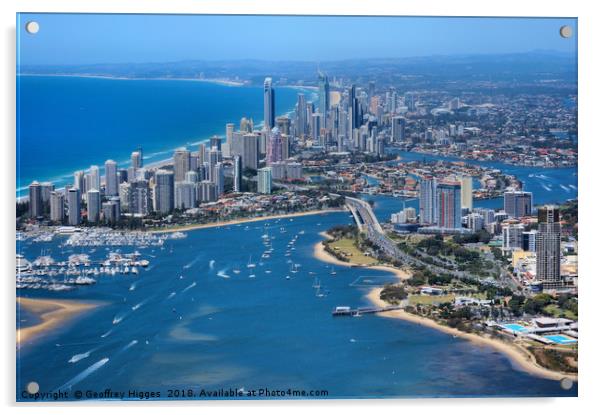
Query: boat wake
x=222 y=273
x=117 y=319
x=211 y=264
x=133 y=286
x=548 y=188
x=189 y=287
x=81 y=356
x=140 y=304
x=194 y=261
x=130 y=344
x=172 y=295
x=84 y=374
x=566 y=189
x=106 y=334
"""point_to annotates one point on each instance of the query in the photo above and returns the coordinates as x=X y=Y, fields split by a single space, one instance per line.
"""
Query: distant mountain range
x=517 y=66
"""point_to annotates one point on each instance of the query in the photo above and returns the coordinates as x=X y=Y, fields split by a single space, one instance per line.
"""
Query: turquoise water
x=69 y=123
x=560 y=339
x=198 y=324
x=515 y=327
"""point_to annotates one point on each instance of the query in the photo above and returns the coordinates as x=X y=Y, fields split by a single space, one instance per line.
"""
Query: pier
x=348 y=311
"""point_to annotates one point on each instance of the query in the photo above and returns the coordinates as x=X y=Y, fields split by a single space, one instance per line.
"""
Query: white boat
x=251 y=264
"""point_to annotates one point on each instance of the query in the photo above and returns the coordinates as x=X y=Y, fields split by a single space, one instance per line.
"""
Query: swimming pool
x=517 y=328
x=560 y=339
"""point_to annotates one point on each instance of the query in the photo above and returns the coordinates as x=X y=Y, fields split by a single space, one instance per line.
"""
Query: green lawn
x=554 y=310
x=346 y=246
x=431 y=299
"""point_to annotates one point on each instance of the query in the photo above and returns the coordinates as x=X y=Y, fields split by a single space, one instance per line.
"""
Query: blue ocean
x=191 y=322
x=66 y=124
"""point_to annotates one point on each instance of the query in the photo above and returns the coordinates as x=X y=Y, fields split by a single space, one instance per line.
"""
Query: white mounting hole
x=32 y=27
x=33 y=387
x=566 y=31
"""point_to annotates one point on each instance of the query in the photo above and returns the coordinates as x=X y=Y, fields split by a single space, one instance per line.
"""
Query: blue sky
x=88 y=39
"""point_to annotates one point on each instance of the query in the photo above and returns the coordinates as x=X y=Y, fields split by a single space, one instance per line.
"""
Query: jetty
x=348 y=311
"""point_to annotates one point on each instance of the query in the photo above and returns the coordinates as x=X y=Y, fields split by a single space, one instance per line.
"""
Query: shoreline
x=224 y=82
x=244 y=220
x=321 y=254
x=52 y=313
x=518 y=355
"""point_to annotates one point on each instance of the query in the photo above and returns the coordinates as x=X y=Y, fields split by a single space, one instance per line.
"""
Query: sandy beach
x=321 y=254
x=244 y=220
x=521 y=357
x=52 y=313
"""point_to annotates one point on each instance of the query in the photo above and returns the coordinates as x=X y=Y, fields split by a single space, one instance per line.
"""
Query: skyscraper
x=466 y=182
x=94 y=178
x=181 y=164
x=301 y=117
x=219 y=178
x=264 y=180
x=185 y=195
x=512 y=236
x=428 y=200
x=93 y=199
x=57 y=207
x=250 y=154
x=78 y=180
x=164 y=191
x=74 y=206
x=398 y=125
x=449 y=207
x=323 y=97
x=547 y=246
x=518 y=204
x=139 y=198
x=111 y=210
x=268 y=104
x=35 y=200
x=111 y=181
x=136 y=159
x=216 y=142
x=274 y=150
x=237 y=174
